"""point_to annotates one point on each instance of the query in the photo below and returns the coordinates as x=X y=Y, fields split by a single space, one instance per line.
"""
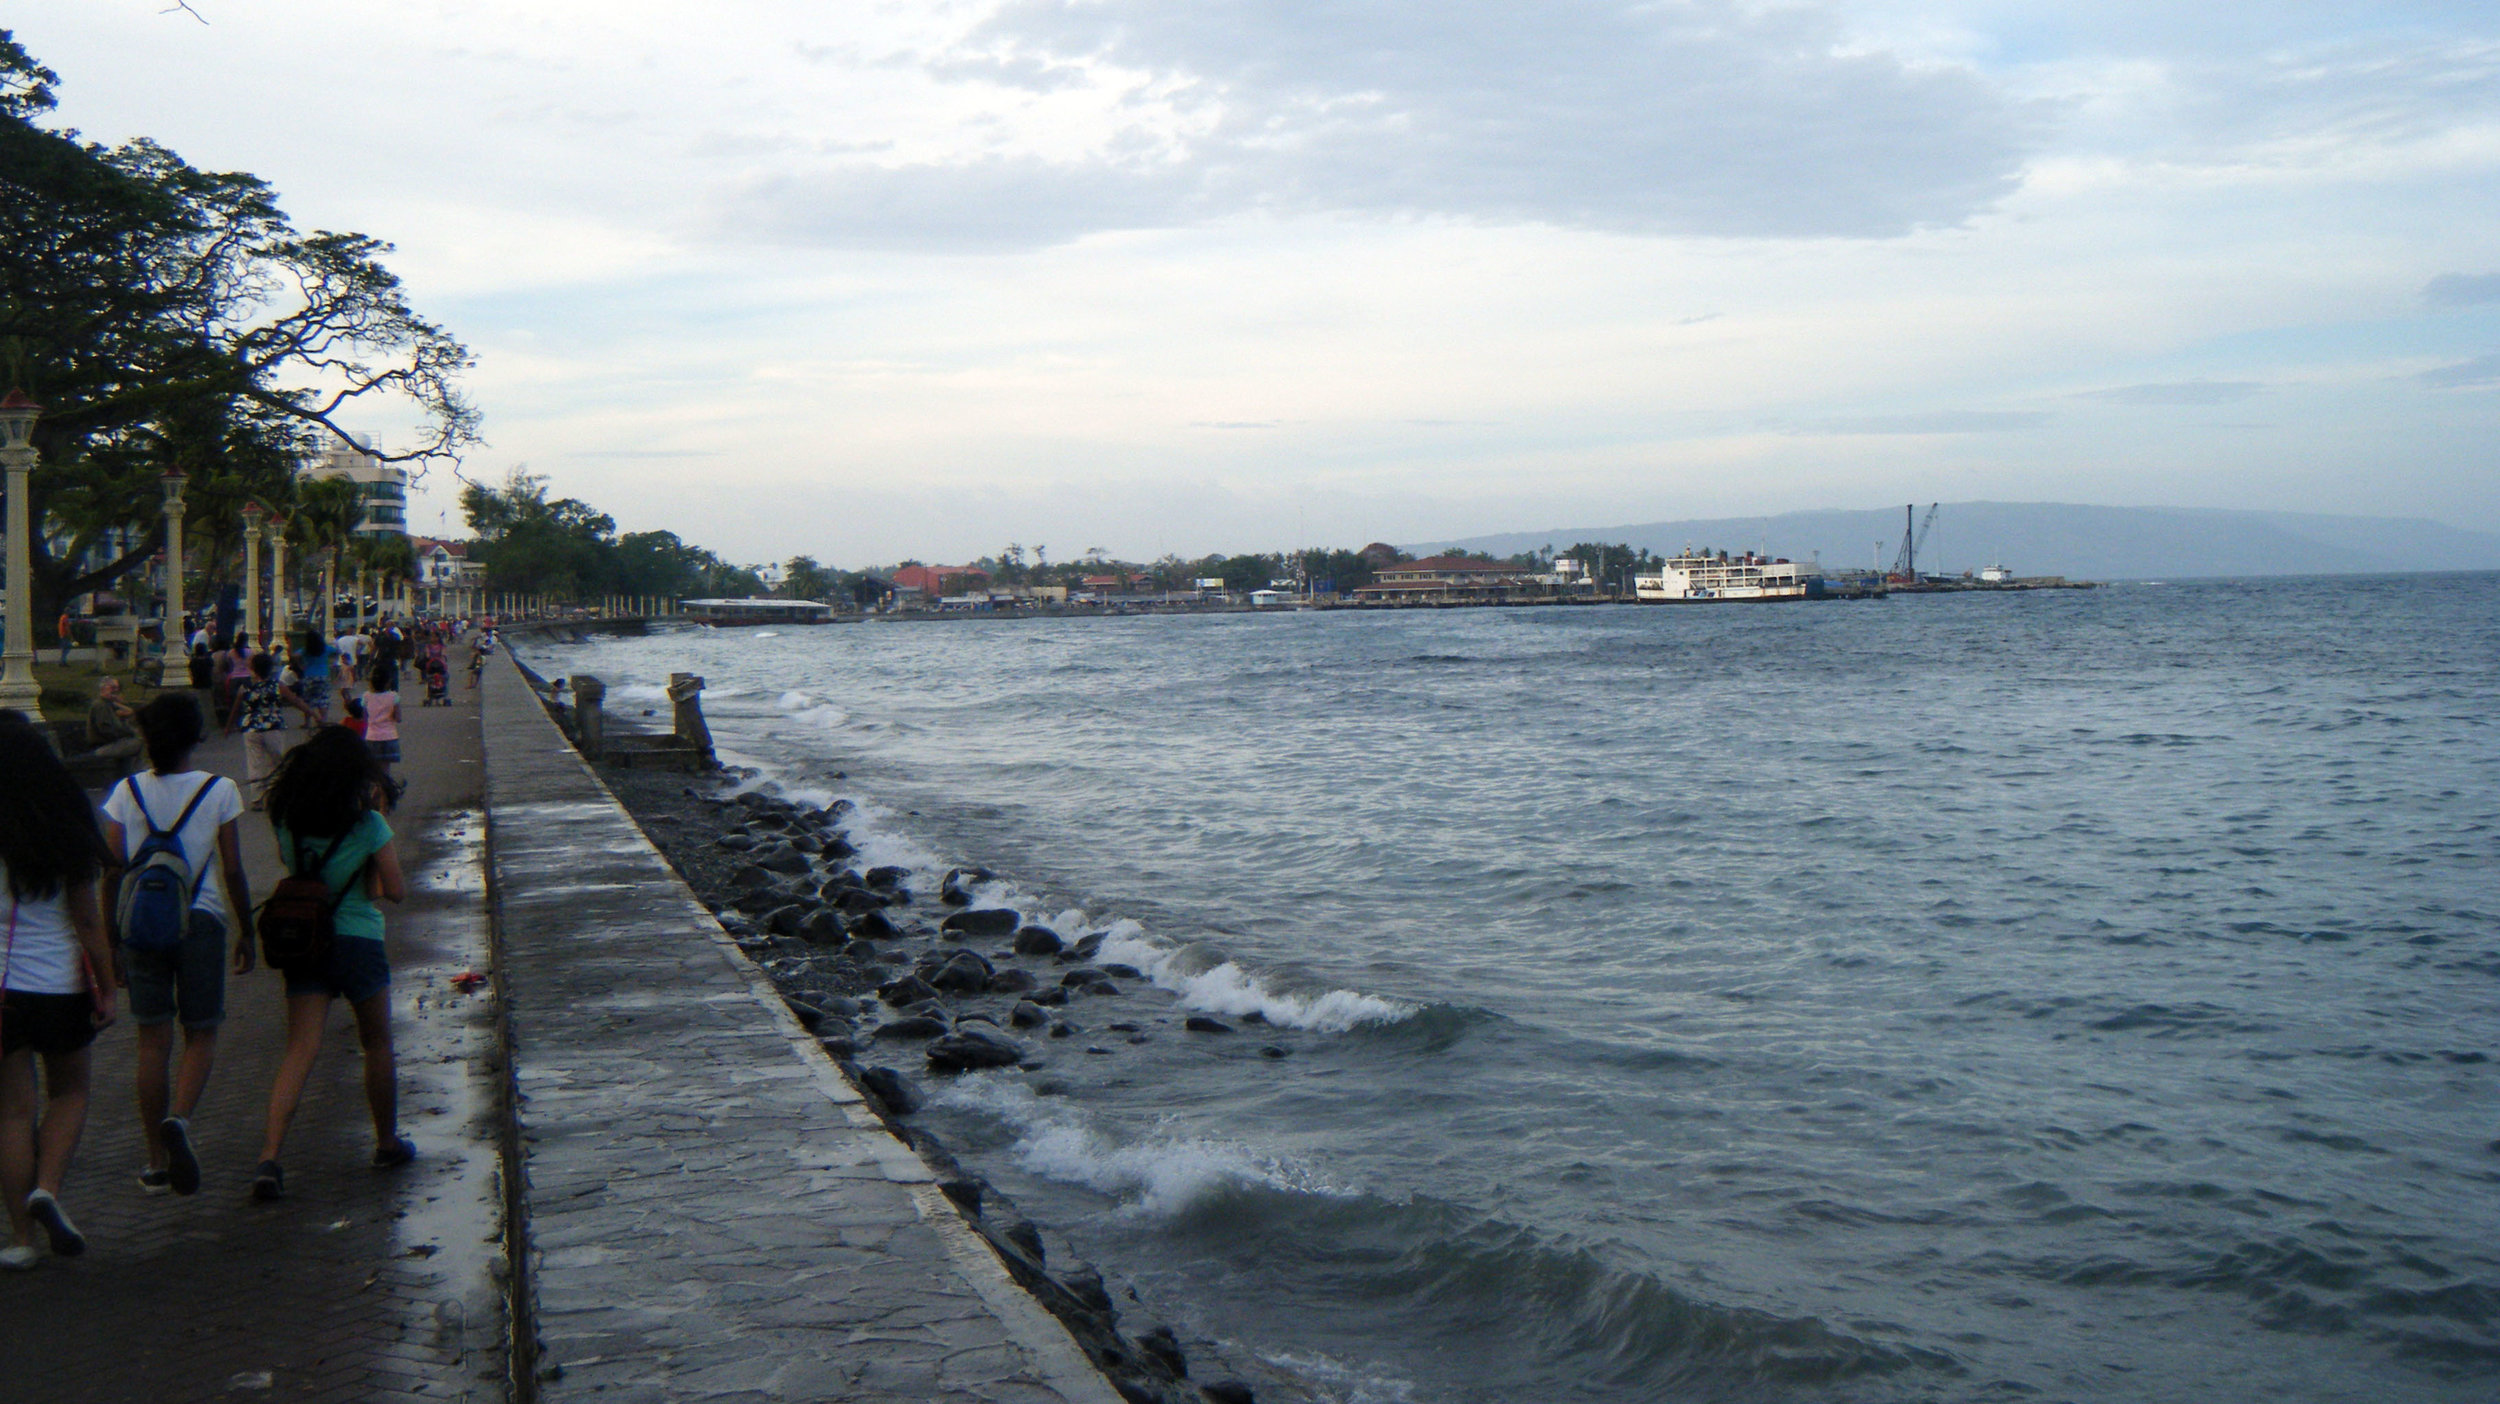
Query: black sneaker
x=155 y=1181
x=269 y=1181
x=399 y=1152
x=182 y=1165
x=67 y=1241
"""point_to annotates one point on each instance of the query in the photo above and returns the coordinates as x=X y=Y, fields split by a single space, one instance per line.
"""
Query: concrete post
x=685 y=696
x=253 y=513
x=175 y=640
x=590 y=719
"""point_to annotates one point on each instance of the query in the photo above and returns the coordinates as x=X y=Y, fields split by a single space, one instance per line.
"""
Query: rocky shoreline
x=888 y=979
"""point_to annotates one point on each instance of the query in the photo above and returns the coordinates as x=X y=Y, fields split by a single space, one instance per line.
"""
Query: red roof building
x=940 y=580
x=1444 y=577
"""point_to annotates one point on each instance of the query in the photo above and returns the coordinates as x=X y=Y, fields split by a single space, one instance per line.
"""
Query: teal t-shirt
x=357 y=916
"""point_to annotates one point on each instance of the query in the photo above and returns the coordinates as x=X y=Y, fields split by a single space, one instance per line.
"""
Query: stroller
x=437 y=675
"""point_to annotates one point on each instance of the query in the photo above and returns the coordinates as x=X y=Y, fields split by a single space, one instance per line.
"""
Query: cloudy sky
x=920 y=277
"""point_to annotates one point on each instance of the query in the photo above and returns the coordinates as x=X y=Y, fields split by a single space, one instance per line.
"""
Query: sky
x=869 y=281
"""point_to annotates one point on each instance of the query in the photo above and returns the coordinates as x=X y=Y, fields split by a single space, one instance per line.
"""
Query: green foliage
x=531 y=544
x=1611 y=565
x=803 y=579
x=172 y=318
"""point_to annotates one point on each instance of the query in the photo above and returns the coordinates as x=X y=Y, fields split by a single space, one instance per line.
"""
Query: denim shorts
x=189 y=981
x=358 y=969
x=51 y=1024
x=386 y=752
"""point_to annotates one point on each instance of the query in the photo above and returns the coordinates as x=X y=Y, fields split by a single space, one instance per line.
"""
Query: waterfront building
x=1444 y=578
x=916 y=586
x=384 y=485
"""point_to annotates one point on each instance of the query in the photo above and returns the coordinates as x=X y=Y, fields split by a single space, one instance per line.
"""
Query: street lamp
x=18 y=687
x=253 y=515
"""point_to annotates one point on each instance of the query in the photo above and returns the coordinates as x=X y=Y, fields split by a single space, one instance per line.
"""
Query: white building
x=385 y=485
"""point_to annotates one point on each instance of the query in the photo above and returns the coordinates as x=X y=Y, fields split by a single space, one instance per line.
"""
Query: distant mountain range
x=2056 y=538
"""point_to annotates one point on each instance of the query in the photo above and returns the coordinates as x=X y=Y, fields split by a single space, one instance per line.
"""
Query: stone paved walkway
x=361 y=1285
x=713 y=1214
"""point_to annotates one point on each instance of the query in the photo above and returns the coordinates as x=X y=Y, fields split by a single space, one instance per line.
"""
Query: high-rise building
x=385 y=485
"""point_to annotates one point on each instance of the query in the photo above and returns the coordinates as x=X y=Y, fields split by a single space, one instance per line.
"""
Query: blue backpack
x=155 y=908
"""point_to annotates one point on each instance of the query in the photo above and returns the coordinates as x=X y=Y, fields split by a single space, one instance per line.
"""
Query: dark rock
x=1141 y=1038
x=805 y=842
x=1254 y=1017
x=1086 y=1286
x=737 y=926
x=823 y=927
x=1125 y=972
x=1275 y=1050
x=836 y=846
x=750 y=875
x=1123 y=1028
x=1081 y=975
x=1103 y=1051
x=963 y=973
x=860 y=900
x=1028 y=1015
x=784 y=920
x=955 y=890
x=832 y=813
x=887 y=879
x=809 y=1016
x=906 y=992
x=888 y=1087
x=966 y=1192
x=861 y=951
x=1038 y=941
x=1099 y=985
x=837 y=1046
x=1227 y=1392
x=1162 y=1347
x=1200 y=1023
x=968 y=1048
x=983 y=921
x=912 y=1026
x=782 y=858
x=1063 y=1029
x=735 y=841
x=1049 y=999
x=1086 y=946
x=770 y=819
x=1010 y=981
x=842 y=1006
x=875 y=924
x=1130 y=1391
x=1026 y=1238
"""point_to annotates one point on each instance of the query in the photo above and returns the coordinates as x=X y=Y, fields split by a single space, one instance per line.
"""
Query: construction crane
x=1913 y=536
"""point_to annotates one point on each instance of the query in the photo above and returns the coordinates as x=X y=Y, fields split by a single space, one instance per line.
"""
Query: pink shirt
x=381 y=716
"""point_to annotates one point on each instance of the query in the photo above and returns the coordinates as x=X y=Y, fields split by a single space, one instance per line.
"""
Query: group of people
x=79 y=933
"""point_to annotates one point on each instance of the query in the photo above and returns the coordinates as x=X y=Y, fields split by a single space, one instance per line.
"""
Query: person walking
x=201 y=812
x=314 y=664
x=382 y=714
x=54 y=994
x=259 y=714
x=326 y=810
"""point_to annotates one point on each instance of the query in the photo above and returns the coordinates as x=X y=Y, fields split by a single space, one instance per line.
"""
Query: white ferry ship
x=1704 y=575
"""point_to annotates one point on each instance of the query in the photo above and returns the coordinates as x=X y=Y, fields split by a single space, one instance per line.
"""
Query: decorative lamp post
x=18 y=687
x=253 y=515
x=329 y=592
x=176 y=641
x=281 y=595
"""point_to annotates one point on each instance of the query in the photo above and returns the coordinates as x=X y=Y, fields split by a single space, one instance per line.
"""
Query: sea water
x=2061 y=995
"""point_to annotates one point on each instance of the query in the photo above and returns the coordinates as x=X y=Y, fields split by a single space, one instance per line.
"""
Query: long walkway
x=361 y=1285
x=713 y=1213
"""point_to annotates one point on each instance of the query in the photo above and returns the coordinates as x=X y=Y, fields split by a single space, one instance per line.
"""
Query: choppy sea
x=2066 y=995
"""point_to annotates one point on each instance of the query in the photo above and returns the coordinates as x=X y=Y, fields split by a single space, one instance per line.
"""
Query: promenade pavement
x=361 y=1285
x=712 y=1211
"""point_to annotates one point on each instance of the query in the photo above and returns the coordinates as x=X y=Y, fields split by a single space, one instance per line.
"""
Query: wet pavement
x=361 y=1284
x=712 y=1211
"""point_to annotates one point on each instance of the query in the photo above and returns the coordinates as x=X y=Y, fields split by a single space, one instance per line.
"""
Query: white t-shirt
x=43 y=955
x=165 y=796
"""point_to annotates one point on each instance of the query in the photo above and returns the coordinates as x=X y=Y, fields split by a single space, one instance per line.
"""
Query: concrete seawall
x=707 y=1208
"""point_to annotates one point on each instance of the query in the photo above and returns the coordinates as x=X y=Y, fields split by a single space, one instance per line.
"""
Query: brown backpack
x=300 y=920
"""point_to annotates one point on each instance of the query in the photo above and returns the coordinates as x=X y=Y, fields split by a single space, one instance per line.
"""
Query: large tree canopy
x=172 y=318
x=531 y=544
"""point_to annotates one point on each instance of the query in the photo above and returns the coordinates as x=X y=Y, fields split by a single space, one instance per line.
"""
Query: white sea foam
x=1157 y=1177
x=638 y=692
x=1225 y=987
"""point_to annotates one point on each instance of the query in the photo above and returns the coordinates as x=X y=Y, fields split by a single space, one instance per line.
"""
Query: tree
x=803 y=579
x=173 y=318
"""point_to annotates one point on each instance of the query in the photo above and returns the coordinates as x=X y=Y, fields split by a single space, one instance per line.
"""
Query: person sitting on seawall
x=54 y=994
x=202 y=812
x=325 y=807
x=258 y=716
x=109 y=729
x=203 y=667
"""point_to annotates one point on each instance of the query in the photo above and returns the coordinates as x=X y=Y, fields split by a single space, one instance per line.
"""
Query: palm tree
x=327 y=511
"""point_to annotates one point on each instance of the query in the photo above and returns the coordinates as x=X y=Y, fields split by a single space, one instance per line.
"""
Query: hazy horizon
x=932 y=277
